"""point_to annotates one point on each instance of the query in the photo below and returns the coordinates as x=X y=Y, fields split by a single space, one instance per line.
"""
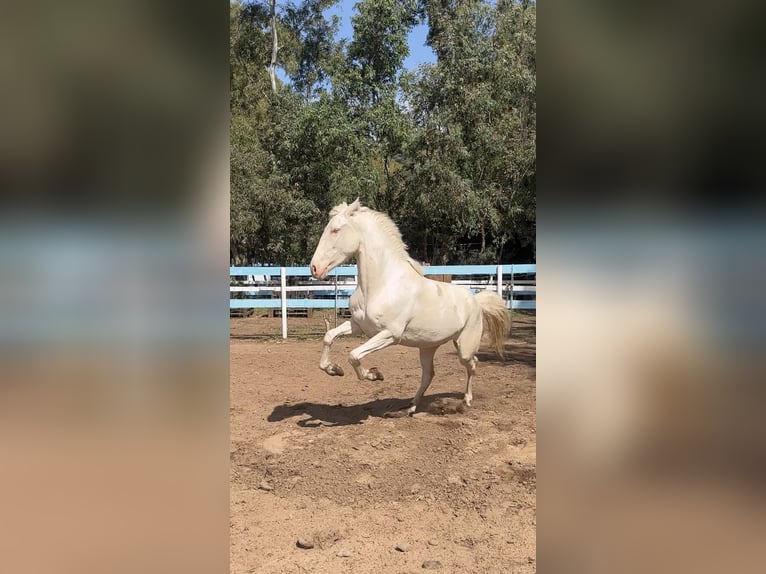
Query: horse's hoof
x=374 y=374
x=411 y=410
x=334 y=370
x=467 y=401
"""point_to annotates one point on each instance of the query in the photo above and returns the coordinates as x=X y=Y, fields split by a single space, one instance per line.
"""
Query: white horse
x=395 y=304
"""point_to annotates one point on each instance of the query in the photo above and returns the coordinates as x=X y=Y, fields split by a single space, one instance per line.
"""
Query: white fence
x=286 y=288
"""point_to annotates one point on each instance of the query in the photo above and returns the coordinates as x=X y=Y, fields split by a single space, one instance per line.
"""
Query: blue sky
x=419 y=52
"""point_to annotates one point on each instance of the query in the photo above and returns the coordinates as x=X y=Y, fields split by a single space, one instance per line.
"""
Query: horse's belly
x=430 y=331
x=424 y=341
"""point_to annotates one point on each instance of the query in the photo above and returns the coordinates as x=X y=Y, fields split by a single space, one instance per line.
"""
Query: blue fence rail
x=286 y=288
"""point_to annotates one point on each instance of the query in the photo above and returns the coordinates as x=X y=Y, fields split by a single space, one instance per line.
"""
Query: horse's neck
x=378 y=263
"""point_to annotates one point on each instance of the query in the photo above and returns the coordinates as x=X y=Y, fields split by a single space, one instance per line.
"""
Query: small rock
x=454 y=479
x=343 y=554
x=432 y=564
x=402 y=547
x=415 y=488
x=312 y=423
x=265 y=486
x=433 y=542
x=305 y=543
x=420 y=415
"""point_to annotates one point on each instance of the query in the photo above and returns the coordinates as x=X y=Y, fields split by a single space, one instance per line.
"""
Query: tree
x=447 y=151
x=247 y=46
x=472 y=176
x=274 y=44
x=368 y=82
x=315 y=46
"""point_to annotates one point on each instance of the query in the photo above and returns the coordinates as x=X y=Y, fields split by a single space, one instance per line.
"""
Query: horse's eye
x=335 y=230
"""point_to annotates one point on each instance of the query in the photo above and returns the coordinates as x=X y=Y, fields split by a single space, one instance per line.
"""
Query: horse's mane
x=385 y=223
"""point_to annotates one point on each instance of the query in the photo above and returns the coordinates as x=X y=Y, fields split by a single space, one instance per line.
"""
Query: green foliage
x=380 y=45
x=474 y=154
x=315 y=46
x=447 y=151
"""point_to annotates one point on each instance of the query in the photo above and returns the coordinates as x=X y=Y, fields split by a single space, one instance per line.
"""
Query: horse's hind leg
x=427 y=365
x=470 y=369
x=324 y=363
x=467 y=344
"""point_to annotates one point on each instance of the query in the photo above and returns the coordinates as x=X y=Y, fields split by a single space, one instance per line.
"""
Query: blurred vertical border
x=114 y=200
x=651 y=310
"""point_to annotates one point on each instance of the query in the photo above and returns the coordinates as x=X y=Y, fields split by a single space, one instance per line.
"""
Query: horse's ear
x=353 y=207
x=338 y=209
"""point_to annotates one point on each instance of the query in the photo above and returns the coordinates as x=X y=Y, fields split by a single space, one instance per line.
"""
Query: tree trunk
x=389 y=194
x=274 y=45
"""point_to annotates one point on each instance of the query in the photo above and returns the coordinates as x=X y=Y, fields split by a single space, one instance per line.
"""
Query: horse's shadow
x=340 y=415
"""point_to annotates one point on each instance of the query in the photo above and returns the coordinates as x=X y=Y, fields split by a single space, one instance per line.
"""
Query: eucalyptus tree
x=368 y=81
x=448 y=150
x=473 y=160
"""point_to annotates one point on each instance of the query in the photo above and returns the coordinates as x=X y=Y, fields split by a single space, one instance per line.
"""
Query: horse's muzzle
x=318 y=273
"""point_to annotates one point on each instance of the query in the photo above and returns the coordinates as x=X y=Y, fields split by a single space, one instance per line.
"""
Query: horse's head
x=339 y=241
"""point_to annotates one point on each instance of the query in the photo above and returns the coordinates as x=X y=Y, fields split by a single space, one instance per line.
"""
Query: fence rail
x=284 y=288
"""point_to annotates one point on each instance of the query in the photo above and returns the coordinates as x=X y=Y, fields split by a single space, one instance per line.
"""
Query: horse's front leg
x=324 y=363
x=379 y=341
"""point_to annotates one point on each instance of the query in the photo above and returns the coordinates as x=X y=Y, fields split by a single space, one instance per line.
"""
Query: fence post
x=283 y=297
x=500 y=280
x=511 y=298
x=335 y=279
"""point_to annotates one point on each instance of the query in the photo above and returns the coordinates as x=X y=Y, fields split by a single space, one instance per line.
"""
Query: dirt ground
x=328 y=461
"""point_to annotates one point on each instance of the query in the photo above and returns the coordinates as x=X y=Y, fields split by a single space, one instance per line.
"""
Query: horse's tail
x=496 y=318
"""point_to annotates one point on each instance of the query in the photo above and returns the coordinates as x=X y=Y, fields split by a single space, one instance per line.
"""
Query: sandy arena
x=327 y=460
